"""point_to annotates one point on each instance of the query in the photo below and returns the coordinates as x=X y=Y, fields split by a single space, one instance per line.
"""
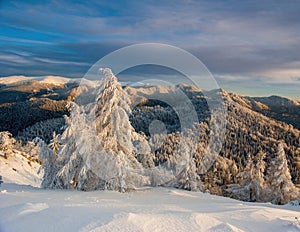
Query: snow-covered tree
x=6 y=143
x=68 y=158
x=99 y=146
x=177 y=167
x=48 y=159
x=259 y=177
x=280 y=186
x=251 y=181
x=186 y=172
x=244 y=189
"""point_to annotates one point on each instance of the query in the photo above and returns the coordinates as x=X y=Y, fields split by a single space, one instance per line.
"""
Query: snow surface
x=18 y=169
x=25 y=208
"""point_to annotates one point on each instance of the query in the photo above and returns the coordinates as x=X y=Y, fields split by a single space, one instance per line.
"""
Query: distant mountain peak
x=50 y=79
x=12 y=79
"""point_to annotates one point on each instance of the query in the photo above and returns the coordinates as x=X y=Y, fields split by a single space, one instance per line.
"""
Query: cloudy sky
x=251 y=47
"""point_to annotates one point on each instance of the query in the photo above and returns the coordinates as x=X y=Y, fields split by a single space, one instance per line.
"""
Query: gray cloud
x=237 y=41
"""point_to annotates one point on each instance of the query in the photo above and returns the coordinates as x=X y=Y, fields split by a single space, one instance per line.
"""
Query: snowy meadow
x=24 y=208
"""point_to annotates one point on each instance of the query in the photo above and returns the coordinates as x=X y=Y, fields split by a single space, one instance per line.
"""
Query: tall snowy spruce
x=99 y=146
x=280 y=186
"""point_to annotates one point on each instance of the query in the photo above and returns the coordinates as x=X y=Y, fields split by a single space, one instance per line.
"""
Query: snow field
x=25 y=208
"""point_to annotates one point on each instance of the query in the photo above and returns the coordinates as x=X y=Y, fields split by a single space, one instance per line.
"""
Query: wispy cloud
x=238 y=41
x=27 y=41
x=13 y=59
x=52 y=61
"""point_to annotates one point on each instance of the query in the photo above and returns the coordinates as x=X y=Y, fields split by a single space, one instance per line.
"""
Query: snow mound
x=33 y=208
x=165 y=222
x=180 y=193
x=206 y=222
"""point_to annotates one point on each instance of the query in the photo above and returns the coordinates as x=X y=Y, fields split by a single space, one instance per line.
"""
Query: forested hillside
x=249 y=135
x=255 y=145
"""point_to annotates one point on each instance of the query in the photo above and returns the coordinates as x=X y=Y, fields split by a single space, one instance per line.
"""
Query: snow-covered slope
x=20 y=170
x=160 y=209
x=12 y=79
x=56 y=80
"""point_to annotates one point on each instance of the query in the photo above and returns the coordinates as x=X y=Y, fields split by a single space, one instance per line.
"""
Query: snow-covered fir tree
x=259 y=177
x=280 y=186
x=99 y=145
